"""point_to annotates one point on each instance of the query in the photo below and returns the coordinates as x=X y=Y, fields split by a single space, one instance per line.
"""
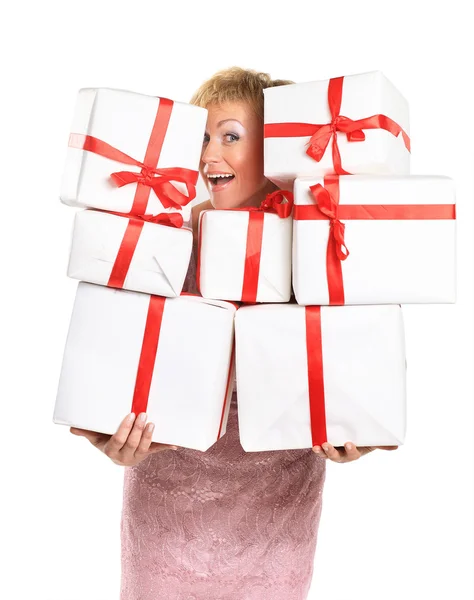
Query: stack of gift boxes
x=135 y=344
x=349 y=227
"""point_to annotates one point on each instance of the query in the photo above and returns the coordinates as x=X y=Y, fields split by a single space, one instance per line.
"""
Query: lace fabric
x=222 y=524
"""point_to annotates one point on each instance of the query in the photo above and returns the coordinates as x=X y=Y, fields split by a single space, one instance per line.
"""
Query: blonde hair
x=236 y=84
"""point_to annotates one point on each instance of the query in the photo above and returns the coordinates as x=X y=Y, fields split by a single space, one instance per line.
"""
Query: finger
x=319 y=451
x=387 y=447
x=331 y=452
x=129 y=448
x=117 y=441
x=92 y=436
x=77 y=431
x=145 y=440
x=157 y=447
x=352 y=453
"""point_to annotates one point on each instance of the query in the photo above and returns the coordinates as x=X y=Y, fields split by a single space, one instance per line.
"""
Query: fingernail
x=131 y=417
x=151 y=426
x=317 y=449
x=142 y=417
x=174 y=448
x=349 y=446
x=326 y=447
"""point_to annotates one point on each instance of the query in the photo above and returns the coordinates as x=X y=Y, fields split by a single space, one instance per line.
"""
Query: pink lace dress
x=222 y=524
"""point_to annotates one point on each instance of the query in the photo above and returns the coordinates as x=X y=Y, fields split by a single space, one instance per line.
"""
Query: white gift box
x=191 y=374
x=125 y=121
x=362 y=376
x=159 y=261
x=223 y=239
x=363 y=96
x=391 y=260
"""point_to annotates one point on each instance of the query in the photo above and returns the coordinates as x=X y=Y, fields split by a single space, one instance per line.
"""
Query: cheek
x=203 y=177
x=248 y=163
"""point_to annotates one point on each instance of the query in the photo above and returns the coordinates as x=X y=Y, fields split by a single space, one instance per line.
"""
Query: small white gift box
x=132 y=153
x=315 y=374
x=132 y=352
x=353 y=124
x=399 y=232
x=132 y=254
x=245 y=255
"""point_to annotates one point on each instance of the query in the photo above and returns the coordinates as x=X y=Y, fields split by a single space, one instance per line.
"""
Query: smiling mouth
x=219 y=181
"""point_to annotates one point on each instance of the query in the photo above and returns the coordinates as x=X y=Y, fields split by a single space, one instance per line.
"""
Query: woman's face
x=233 y=148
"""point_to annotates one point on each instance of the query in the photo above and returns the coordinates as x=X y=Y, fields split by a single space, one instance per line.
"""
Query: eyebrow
x=226 y=120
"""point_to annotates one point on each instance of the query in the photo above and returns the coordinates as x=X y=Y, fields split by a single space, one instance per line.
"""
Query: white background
x=395 y=525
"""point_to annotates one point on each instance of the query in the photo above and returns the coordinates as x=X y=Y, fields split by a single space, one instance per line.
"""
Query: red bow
x=159 y=180
x=279 y=202
x=321 y=134
x=329 y=206
x=353 y=129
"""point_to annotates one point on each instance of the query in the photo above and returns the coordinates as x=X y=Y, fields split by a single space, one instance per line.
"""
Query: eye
x=231 y=137
x=205 y=138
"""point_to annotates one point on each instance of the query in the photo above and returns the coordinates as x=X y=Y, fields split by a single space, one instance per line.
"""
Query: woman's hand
x=348 y=452
x=129 y=445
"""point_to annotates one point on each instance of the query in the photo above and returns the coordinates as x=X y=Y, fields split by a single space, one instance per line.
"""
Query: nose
x=211 y=153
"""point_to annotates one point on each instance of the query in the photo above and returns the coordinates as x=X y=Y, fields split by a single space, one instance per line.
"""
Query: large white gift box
x=399 y=232
x=244 y=256
x=364 y=114
x=132 y=254
x=132 y=352
x=149 y=143
x=306 y=375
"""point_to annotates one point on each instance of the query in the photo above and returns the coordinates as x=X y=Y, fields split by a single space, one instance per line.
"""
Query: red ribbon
x=321 y=135
x=314 y=348
x=149 y=178
x=146 y=363
x=130 y=240
x=279 y=202
x=327 y=207
x=253 y=252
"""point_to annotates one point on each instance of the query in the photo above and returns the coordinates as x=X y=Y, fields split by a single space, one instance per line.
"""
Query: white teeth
x=215 y=175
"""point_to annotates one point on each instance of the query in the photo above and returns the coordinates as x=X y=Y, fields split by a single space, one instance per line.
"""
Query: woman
x=221 y=524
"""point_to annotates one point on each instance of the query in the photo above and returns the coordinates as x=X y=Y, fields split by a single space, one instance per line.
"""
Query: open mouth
x=219 y=180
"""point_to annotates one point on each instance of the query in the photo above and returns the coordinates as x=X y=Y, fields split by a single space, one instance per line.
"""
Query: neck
x=260 y=195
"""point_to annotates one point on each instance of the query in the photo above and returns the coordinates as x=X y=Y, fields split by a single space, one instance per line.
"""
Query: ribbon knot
x=329 y=206
x=159 y=180
x=335 y=122
x=319 y=141
x=148 y=176
x=279 y=202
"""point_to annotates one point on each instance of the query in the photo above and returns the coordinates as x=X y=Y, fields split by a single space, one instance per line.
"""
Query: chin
x=224 y=203
x=219 y=202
